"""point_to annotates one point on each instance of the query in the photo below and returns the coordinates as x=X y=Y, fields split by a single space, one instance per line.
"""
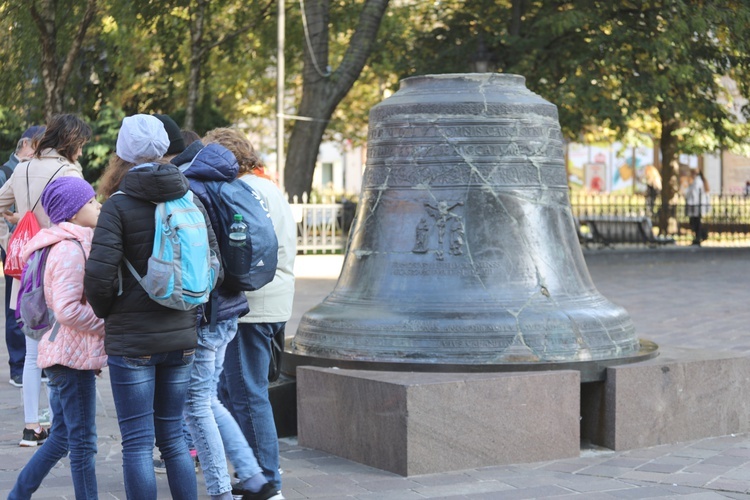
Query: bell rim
x=591 y=370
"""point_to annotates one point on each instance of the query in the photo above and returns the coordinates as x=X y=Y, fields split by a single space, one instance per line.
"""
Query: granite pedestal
x=682 y=395
x=418 y=423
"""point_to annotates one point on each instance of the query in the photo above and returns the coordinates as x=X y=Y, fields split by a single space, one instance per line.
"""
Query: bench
x=610 y=229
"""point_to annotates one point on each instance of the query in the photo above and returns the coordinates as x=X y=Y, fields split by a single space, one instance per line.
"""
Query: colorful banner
x=596 y=177
x=610 y=168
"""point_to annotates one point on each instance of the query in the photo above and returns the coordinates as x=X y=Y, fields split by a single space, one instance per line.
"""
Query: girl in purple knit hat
x=74 y=357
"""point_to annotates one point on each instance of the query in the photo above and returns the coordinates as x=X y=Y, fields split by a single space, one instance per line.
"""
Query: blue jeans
x=245 y=391
x=72 y=395
x=149 y=394
x=214 y=430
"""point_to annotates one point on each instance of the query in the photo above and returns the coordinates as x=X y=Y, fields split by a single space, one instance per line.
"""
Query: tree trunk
x=45 y=22
x=54 y=76
x=669 y=169
x=197 y=50
x=516 y=15
x=322 y=89
x=201 y=44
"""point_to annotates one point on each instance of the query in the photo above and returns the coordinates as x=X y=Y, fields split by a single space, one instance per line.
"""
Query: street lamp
x=280 y=94
x=482 y=58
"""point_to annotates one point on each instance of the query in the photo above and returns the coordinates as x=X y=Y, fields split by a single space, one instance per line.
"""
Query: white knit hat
x=142 y=138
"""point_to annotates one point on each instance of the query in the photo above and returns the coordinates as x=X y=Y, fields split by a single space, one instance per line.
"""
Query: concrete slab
x=421 y=423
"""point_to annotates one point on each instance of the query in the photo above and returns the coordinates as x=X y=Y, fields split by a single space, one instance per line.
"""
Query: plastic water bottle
x=238 y=262
x=238 y=232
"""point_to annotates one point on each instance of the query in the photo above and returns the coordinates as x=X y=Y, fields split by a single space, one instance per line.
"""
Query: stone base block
x=419 y=423
x=682 y=395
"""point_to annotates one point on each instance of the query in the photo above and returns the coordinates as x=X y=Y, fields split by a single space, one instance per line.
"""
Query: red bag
x=27 y=227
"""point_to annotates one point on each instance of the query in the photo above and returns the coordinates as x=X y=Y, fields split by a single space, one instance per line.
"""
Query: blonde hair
x=236 y=142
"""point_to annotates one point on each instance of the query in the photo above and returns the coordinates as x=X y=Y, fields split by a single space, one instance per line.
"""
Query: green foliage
x=21 y=90
x=11 y=128
x=609 y=66
x=609 y=63
x=207 y=117
x=103 y=140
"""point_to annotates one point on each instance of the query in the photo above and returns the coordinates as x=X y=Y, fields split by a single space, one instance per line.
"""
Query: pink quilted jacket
x=79 y=343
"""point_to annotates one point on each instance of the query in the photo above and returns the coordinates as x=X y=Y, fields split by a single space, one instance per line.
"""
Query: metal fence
x=726 y=221
x=322 y=223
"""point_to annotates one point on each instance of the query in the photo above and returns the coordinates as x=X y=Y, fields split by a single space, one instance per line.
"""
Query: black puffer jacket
x=135 y=325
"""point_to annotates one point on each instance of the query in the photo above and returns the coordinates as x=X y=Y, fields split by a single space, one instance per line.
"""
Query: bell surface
x=464 y=254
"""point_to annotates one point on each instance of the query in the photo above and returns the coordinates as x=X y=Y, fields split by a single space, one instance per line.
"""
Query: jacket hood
x=187 y=156
x=154 y=182
x=213 y=163
x=54 y=234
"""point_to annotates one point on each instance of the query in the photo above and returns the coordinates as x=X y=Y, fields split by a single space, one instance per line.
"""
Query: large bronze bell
x=464 y=253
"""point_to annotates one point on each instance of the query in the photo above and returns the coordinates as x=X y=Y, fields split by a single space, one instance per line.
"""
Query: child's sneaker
x=33 y=438
x=45 y=418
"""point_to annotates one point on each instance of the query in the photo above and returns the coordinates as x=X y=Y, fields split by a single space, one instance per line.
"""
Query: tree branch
x=75 y=48
x=264 y=14
x=361 y=43
x=37 y=18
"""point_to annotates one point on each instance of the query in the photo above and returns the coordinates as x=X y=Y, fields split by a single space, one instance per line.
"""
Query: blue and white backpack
x=182 y=269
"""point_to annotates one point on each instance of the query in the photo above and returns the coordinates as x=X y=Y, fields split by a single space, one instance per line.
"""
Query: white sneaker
x=44 y=418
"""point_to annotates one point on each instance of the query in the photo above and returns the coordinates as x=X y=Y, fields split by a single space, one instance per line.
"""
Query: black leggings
x=695 y=225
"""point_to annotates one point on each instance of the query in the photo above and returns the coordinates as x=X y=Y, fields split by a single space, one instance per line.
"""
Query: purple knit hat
x=64 y=197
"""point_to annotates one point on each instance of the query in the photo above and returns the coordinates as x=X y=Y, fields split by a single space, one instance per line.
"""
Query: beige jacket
x=38 y=171
x=273 y=302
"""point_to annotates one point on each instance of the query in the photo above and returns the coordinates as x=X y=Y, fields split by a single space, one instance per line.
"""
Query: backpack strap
x=28 y=193
x=54 y=331
x=37 y=273
x=130 y=267
x=132 y=271
x=214 y=309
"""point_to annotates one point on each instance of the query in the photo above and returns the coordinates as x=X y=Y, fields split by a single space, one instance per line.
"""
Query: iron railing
x=727 y=220
x=322 y=224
